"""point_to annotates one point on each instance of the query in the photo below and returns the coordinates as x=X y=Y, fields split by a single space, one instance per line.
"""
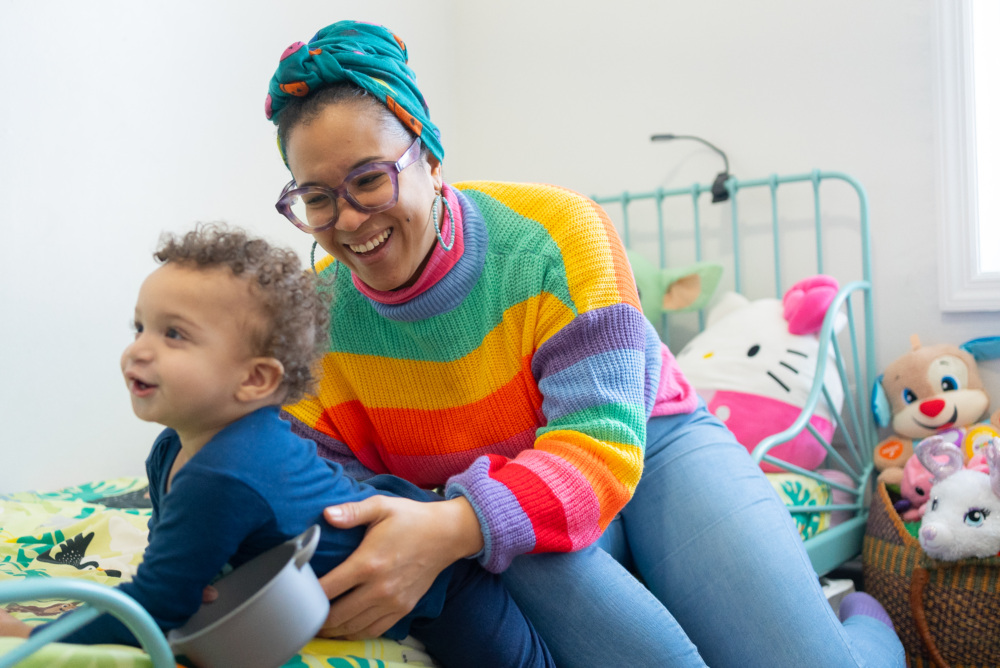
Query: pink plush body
x=752 y=418
x=915 y=488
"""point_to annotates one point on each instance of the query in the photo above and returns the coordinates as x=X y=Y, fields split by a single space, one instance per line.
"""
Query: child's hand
x=12 y=627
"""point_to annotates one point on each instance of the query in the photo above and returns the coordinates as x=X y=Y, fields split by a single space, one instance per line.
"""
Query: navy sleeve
x=199 y=525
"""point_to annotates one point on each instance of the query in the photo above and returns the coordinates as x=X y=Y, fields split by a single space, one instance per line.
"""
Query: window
x=969 y=150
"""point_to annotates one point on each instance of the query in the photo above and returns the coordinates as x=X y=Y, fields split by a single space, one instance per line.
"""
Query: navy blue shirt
x=253 y=486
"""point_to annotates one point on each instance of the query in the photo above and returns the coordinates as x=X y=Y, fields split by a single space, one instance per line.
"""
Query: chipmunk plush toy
x=931 y=391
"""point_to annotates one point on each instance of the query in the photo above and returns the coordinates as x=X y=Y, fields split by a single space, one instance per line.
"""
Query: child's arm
x=11 y=627
x=201 y=524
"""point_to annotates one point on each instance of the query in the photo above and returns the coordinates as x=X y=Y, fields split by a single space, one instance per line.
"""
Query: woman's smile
x=366 y=248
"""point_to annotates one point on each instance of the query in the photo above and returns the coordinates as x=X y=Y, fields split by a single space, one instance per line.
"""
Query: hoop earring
x=437 y=228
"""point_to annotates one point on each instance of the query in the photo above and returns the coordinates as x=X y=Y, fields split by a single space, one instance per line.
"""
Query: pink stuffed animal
x=917 y=481
x=915 y=488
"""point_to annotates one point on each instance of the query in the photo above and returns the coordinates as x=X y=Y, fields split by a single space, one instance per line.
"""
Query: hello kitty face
x=746 y=347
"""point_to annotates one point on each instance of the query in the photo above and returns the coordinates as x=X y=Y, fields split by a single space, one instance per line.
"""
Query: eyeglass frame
x=391 y=169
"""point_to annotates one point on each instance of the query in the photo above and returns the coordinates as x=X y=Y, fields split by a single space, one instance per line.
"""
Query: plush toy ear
x=805 y=303
x=690 y=288
x=985 y=348
x=881 y=410
x=727 y=303
x=931 y=448
x=665 y=290
x=993 y=460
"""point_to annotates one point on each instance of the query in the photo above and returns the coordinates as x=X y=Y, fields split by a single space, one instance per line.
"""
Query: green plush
x=662 y=291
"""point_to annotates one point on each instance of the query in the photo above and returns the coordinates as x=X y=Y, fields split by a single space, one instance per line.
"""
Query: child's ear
x=264 y=375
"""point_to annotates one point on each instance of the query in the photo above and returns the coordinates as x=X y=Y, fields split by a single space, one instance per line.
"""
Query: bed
x=93 y=535
x=758 y=235
x=59 y=547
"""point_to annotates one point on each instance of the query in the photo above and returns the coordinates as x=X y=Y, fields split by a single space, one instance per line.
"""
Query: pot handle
x=305 y=545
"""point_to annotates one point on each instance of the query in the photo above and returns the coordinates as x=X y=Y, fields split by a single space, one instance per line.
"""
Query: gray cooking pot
x=267 y=610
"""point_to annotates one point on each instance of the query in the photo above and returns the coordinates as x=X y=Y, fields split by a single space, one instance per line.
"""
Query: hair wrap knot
x=364 y=54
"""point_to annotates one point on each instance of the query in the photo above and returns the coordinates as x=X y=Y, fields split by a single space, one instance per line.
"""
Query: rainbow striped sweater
x=522 y=379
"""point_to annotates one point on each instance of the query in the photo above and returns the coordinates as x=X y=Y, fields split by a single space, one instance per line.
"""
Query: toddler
x=226 y=331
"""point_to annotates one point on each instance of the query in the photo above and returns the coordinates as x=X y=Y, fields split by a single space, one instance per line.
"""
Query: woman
x=487 y=338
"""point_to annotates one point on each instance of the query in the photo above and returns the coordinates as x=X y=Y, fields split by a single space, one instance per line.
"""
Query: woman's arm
x=595 y=361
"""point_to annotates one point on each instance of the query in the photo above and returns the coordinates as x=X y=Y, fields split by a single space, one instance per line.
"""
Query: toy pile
x=941 y=466
x=931 y=553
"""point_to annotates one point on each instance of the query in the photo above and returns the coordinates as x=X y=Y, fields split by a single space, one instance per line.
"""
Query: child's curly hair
x=295 y=314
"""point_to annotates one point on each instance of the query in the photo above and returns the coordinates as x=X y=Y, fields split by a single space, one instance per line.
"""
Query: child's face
x=190 y=352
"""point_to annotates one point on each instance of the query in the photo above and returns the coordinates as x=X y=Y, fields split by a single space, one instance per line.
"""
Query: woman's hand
x=406 y=546
x=12 y=627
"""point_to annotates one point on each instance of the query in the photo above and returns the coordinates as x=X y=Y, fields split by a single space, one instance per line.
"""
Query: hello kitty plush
x=754 y=366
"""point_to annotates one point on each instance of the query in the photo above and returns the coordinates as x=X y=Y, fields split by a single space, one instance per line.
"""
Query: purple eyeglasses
x=370 y=188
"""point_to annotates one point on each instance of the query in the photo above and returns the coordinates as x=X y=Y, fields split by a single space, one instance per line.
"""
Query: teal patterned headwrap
x=364 y=54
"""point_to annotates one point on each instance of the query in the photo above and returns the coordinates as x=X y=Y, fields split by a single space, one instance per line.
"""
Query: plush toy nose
x=932 y=407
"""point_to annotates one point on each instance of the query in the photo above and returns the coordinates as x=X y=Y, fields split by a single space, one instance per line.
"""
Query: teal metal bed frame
x=98 y=599
x=854 y=354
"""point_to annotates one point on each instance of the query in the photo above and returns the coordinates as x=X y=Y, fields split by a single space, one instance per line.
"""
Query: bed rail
x=99 y=599
x=853 y=348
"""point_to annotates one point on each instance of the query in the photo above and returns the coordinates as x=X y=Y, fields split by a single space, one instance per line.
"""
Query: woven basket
x=947 y=613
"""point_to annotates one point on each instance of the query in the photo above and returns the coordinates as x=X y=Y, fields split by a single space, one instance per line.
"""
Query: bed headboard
x=770 y=233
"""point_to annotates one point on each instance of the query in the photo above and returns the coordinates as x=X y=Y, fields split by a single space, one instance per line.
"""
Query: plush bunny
x=932 y=390
x=962 y=519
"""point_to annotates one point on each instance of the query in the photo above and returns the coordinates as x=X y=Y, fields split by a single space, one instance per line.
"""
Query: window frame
x=963 y=286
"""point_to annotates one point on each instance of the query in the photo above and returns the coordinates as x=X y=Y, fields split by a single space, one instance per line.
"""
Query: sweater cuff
x=507 y=531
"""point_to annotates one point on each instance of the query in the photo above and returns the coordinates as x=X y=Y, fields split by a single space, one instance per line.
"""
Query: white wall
x=122 y=119
x=571 y=96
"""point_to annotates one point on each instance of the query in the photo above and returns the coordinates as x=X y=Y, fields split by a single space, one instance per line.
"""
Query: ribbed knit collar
x=449 y=275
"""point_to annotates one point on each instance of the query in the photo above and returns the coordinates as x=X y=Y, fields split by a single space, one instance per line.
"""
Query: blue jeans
x=480 y=625
x=727 y=579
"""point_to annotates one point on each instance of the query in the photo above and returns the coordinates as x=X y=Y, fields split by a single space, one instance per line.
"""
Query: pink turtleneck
x=440 y=263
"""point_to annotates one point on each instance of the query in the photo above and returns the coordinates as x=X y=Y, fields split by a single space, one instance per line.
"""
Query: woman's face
x=345 y=136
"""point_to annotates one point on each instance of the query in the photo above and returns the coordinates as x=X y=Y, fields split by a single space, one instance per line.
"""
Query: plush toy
x=915 y=488
x=686 y=288
x=916 y=485
x=754 y=366
x=932 y=390
x=963 y=515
